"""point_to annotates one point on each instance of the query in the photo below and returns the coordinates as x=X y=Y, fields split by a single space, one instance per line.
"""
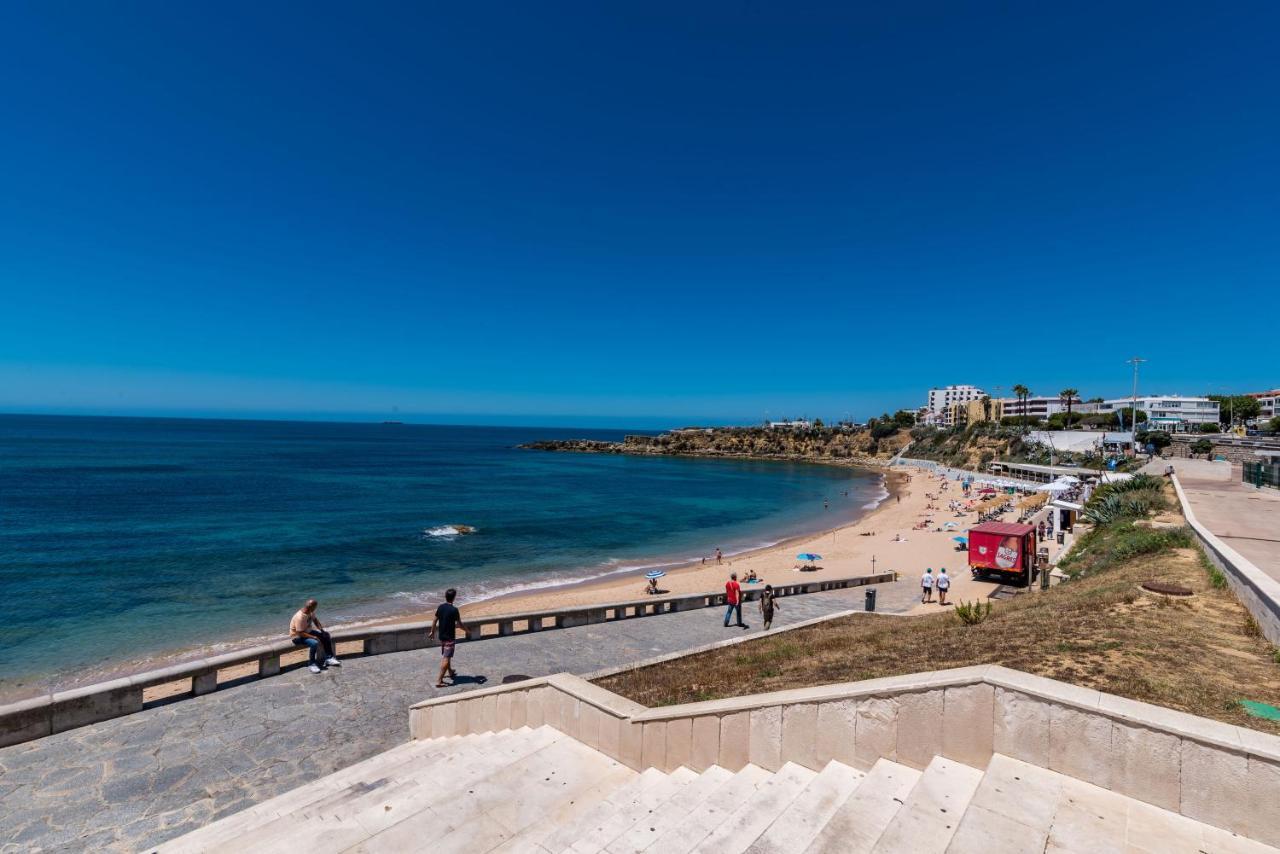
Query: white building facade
x=941 y=399
x=1041 y=407
x=1171 y=412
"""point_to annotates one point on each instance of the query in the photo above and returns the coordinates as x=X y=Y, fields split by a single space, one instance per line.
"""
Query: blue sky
x=641 y=212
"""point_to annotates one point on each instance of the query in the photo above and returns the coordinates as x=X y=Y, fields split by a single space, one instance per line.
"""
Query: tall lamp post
x=1133 y=410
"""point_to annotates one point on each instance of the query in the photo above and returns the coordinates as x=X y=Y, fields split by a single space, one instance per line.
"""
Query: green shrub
x=1115 y=543
x=973 y=613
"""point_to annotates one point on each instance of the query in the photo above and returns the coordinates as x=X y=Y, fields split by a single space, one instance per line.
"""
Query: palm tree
x=1023 y=394
x=986 y=407
x=1067 y=396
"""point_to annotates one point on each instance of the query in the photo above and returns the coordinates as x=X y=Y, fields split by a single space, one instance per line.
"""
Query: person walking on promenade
x=447 y=621
x=926 y=586
x=306 y=630
x=733 y=600
x=944 y=584
x=767 y=604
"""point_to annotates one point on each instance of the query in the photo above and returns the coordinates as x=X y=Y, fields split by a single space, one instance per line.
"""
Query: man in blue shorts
x=447 y=621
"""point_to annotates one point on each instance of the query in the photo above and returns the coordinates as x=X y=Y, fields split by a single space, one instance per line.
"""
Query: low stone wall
x=1257 y=591
x=1233 y=448
x=1224 y=775
x=63 y=710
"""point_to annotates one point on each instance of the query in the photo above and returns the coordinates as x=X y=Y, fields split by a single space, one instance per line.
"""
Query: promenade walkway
x=130 y=783
x=1244 y=517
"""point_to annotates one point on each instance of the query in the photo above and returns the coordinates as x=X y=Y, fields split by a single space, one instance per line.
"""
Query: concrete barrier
x=1212 y=772
x=1257 y=591
x=51 y=713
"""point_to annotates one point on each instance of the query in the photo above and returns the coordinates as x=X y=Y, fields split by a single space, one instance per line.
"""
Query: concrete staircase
x=540 y=791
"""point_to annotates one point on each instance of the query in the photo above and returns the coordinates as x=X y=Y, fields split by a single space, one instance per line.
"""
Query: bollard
x=871 y=598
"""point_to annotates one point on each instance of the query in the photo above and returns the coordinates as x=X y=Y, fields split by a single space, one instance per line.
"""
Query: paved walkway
x=1244 y=517
x=135 y=781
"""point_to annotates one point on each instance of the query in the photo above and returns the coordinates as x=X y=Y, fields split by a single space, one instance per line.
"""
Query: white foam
x=449 y=531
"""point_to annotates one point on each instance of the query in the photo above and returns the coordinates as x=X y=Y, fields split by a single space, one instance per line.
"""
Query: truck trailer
x=1005 y=550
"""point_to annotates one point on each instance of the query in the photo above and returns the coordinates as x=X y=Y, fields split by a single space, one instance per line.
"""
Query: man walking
x=943 y=584
x=447 y=621
x=306 y=630
x=926 y=586
x=733 y=600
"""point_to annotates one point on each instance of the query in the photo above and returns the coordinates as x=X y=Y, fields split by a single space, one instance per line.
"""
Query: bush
x=1202 y=446
x=972 y=613
x=1208 y=428
x=1114 y=543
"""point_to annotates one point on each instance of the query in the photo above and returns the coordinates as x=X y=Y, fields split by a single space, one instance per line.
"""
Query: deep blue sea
x=126 y=539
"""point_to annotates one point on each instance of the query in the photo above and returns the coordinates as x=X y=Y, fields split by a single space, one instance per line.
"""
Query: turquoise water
x=123 y=539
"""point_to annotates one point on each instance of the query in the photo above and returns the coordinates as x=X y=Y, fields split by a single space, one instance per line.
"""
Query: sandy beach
x=847 y=551
x=885 y=539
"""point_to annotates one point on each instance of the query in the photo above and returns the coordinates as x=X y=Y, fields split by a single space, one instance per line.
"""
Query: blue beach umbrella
x=654 y=573
x=808 y=556
x=964 y=540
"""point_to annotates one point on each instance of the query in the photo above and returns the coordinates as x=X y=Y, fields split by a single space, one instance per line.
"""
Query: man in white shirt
x=926 y=586
x=943 y=584
x=306 y=630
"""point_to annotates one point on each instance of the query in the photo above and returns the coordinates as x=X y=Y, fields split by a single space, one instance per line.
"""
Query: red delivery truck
x=1003 y=549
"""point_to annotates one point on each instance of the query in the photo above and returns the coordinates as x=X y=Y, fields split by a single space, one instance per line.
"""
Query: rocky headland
x=836 y=445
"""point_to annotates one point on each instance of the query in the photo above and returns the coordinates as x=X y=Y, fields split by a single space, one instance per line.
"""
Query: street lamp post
x=1133 y=410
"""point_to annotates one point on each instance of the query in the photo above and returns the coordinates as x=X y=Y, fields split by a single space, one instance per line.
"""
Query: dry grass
x=1199 y=654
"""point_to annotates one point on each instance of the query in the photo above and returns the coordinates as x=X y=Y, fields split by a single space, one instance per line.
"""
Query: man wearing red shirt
x=733 y=596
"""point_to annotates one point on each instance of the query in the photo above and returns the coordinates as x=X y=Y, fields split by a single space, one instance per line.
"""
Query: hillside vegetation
x=838 y=444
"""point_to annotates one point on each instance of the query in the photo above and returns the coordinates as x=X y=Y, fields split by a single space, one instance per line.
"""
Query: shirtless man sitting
x=306 y=630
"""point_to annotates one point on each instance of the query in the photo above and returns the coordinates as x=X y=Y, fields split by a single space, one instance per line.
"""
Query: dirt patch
x=1198 y=655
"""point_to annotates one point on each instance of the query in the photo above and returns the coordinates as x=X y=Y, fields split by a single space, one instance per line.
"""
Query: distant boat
x=392 y=422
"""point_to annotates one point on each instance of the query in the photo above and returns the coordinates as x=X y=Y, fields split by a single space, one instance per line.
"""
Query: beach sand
x=847 y=551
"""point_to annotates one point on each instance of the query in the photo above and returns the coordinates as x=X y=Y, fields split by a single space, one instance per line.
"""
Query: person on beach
x=944 y=584
x=306 y=630
x=718 y=556
x=926 y=586
x=448 y=620
x=767 y=604
x=733 y=600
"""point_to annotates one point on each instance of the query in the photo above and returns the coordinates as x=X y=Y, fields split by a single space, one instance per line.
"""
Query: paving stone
x=162 y=772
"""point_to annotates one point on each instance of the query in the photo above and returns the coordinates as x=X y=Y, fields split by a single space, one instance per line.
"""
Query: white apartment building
x=1171 y=412
x=1269 y=402
x=941 y=400
x=1034 y=407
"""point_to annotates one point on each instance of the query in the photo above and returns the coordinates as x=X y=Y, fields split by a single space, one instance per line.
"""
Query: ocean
x=129 y=539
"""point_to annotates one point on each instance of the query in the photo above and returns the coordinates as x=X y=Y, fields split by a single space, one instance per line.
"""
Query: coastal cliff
x=813 y=444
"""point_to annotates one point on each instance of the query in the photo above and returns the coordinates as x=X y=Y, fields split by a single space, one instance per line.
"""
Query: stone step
x=857 y=823
x=648 y=829
x=932 y=812
x=703 y=819
x=255 y=816
x=531 y=839
x=331 y=824
x=801 y=822
x=645 y=802
x=562 y=838
x=497 y=808
x=760 y=810
x=1020 y=807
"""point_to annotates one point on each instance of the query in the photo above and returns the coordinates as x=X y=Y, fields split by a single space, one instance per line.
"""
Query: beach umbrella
x=950 y=525
x=964 y=540
x=654 y=573
x=808 y=556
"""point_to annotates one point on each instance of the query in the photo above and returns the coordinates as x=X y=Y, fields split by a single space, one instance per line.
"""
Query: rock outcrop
x=813 y=444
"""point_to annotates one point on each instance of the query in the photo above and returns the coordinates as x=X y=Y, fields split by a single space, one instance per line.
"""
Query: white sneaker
x=315 y=668
x=333 y=662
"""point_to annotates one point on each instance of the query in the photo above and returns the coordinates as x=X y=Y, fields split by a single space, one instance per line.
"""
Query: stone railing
x=63 y=710
x=1213 y=772
x=1257 y=591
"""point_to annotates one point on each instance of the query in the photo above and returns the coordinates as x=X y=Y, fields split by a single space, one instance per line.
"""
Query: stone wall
x=1234 y=449
x=1223 y=775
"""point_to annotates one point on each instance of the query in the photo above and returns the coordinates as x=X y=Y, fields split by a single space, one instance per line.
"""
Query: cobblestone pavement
x=135 y=781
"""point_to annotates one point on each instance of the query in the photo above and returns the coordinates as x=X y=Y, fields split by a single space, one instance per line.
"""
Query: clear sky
x=644 y=212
